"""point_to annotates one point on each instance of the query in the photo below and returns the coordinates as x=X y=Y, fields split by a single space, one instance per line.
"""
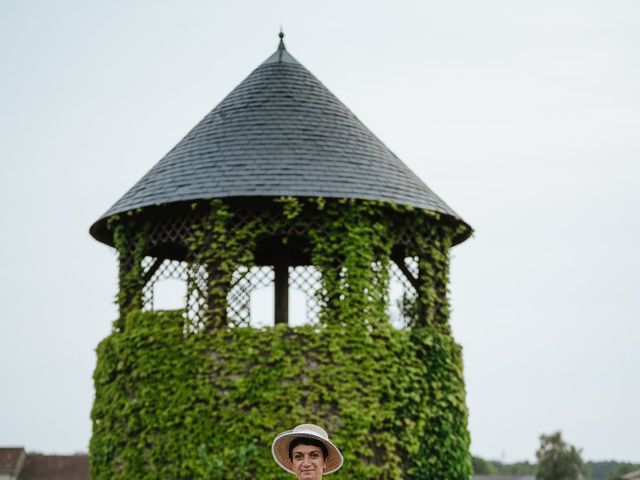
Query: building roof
x=280 y=132
x=632 y=475
x=11 y=459
x=55 y=467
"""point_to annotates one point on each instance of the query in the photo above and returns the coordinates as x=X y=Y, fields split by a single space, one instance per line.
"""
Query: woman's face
x=308 y=462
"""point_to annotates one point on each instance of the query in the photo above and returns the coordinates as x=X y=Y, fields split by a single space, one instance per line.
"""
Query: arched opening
x=166 y=287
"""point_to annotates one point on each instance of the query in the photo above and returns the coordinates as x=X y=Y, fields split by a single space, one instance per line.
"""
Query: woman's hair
x=307 y=441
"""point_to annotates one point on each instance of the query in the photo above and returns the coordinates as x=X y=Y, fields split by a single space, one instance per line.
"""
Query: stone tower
x=280 y=187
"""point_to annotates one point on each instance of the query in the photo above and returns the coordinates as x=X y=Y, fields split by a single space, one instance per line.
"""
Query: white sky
x=524 y=116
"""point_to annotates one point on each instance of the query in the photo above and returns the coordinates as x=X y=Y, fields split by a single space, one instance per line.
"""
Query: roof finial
x=281 y=47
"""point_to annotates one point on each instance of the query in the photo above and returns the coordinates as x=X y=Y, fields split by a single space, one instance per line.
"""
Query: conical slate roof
x=279 y=133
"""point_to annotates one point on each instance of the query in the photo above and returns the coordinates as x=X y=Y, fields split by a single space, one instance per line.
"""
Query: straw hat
x=280 y=447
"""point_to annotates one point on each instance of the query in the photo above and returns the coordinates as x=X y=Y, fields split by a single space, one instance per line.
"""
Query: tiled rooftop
x=16 y=463
x=280 y=132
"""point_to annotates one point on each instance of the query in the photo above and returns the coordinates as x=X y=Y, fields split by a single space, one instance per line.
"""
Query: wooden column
x=281 y=273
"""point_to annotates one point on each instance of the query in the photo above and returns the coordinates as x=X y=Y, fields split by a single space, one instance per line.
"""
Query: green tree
x=558 y=460
x=621 y=469
x=518 y=468
x=600 y=470
x=482 y=466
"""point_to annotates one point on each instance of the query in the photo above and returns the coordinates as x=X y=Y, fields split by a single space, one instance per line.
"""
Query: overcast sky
x=524 y=116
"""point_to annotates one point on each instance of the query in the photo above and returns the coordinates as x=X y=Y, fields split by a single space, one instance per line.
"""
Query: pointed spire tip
x=281 y=47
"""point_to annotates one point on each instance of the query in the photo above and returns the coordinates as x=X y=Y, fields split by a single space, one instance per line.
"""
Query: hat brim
x=280 y=451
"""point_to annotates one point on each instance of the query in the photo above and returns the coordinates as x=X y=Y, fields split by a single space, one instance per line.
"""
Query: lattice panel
x=167 y=269
x=173 y=230
x=193 y=289
x=411 y=263
x=243 y=282
x=196 y=308
x=402 y=294
x=173 y=234
x=406 y=238
x=307 y=279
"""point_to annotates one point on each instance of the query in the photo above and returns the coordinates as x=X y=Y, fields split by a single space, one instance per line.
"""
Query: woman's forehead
x=305 y=448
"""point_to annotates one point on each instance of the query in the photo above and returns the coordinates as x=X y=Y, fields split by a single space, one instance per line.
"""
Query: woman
x=307 y=452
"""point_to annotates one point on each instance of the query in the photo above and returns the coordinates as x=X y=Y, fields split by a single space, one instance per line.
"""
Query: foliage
x=601 y=470
x=221 y=244
x=130 y=242
x=349 y=241
x=176 y=405
x=518 y=468
x=351 y=246
x=179 y=402
x=558 y=460
x=621 y=469
x=495 y=467
x=482 y=467
x=597 y=470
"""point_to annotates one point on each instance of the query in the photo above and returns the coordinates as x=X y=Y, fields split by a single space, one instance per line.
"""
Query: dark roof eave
x=100 y=231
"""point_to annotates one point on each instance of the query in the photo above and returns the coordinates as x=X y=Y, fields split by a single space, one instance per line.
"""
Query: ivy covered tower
x=280 y=189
